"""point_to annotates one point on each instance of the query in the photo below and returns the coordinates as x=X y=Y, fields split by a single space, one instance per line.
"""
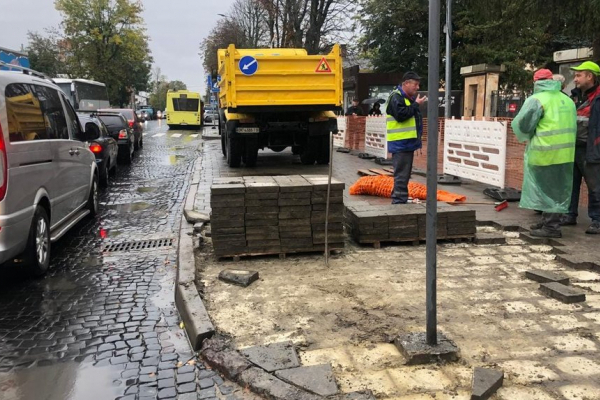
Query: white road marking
x=144 y=134
x=176 y=135
x=159 y=135
x=194 y=135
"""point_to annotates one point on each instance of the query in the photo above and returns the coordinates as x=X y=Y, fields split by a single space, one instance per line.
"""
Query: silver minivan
x=48 y=175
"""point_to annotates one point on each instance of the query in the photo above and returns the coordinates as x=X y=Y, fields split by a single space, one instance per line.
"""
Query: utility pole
x=447 y=110
x=433 y=84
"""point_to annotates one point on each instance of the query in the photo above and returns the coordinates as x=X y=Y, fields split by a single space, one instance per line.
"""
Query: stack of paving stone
x=271 y=215
x=407 y=222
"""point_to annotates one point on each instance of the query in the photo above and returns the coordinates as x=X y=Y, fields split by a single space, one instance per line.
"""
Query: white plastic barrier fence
x=340 y=137
x=476 y=150
x=375 y=137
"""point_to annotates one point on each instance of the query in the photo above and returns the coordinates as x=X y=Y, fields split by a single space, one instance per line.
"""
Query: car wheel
x=104 y=174
x=92 y=203
x=113 y=171
x=37 y=251
x=129 y=156
x=141 y=142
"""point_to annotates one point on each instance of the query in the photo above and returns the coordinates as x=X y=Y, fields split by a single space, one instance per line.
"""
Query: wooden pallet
x=380 y=171
x=282 y=255
x=416 y=242
x=366 y=172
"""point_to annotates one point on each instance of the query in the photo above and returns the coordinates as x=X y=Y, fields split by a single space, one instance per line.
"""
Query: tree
x=225 y=33
x=107 y=43
x=158 y=98
x=44 y=53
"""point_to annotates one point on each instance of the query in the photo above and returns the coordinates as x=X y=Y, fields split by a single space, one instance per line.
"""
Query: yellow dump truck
x=277 y=98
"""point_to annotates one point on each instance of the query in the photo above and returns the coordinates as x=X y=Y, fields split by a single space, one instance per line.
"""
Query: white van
x=48 y=175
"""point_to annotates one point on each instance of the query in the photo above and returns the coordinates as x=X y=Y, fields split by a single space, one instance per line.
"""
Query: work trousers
x=591 y=173
x=403 y=162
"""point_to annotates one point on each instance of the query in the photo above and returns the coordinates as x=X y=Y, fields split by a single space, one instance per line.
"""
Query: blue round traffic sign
x=248 y=65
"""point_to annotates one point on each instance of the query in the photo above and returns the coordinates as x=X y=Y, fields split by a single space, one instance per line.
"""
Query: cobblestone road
x=102 y=324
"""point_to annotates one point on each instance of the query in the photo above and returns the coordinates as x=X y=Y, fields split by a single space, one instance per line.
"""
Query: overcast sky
x=175 y=28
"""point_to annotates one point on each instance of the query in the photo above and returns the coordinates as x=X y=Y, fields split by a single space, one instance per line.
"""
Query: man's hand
x=420 y=100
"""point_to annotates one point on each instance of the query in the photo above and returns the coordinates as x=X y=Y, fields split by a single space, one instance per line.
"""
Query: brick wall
x=355 y=132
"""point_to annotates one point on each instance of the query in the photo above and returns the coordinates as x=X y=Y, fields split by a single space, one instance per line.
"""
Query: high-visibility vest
x=554 y=139
x=400 y=130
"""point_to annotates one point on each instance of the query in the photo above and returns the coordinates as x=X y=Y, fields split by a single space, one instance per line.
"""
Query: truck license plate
x=247 y=130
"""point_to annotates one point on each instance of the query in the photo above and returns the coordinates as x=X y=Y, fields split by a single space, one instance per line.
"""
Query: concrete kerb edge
x=197 y=323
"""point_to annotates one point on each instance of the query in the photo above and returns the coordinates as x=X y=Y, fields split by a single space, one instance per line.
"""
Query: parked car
x=48 y=175
x=118 y=129
x=134 y=123
x=105 y=148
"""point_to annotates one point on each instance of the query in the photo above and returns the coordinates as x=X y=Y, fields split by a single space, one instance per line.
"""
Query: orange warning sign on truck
x=323 y=66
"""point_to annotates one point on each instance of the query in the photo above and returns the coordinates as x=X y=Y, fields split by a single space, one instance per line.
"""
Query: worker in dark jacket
x=587 y=150
x=404 y=130
x=355 y=109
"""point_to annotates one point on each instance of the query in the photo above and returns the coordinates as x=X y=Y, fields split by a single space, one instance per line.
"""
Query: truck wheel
x=310 y=152
x=296 y=150
x=224 y=146
x=323 y=150
x=250 y=152
x=235 y=147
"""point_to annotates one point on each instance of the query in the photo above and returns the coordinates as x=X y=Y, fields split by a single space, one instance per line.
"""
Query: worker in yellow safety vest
x=404 y=125
x=548 y=122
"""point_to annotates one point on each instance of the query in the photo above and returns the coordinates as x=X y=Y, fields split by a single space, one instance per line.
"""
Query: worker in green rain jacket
x=548 y=122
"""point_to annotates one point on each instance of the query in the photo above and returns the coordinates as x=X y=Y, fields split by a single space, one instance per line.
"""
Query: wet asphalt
x=102 y=324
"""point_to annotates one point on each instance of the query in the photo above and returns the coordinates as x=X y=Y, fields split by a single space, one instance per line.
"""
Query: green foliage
x=44 y=53
x=522 y=35
x=107 y=42
x=158 y=97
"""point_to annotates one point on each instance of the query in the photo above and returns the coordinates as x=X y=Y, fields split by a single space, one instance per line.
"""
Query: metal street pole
x=447 y=111
x=433 y=83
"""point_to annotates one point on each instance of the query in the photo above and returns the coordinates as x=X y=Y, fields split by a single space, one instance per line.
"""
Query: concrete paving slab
x=274 y=356
x=542 y=276
x=415 y=349
x=238 y=276
x=317 y=379
x=561 y=292
x=486 y=382
x=192 y=216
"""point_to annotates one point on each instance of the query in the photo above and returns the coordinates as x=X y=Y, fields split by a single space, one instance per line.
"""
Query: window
x=183 y=104
x=25 y=118
x=54 y=114
x=73 y=120
x=113 y=121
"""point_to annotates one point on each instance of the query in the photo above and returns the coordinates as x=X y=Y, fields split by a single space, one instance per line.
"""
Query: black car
x=133 y=121
x=105 y=147
x=118 y=128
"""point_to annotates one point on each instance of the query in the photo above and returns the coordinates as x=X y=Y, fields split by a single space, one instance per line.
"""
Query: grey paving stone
x=563 y=293
x=271 y=387
x=238 y=277
x=317 y=379
x=206 y=383
x=185 y=378
x=486 y=382
x=168 y=393
x=543 y=276
x=207 y=393
x=186 y=388
x=274 y=356
x=166 y=383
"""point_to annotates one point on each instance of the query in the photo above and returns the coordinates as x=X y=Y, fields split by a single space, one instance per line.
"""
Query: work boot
x=537 y=226
x=594 y=228
x=546 y=234
x=568 y=220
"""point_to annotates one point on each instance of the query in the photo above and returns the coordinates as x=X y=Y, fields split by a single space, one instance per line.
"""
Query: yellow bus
x=184 y=109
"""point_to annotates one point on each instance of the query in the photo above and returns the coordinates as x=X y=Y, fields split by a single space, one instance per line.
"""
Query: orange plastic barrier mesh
x=383 y=186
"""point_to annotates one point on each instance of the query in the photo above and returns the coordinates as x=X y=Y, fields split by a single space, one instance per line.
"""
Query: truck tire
x=323 y=150
x=250 y=152
x=308 y=155
x=296 y=150
x=235 y=148
x=224 y=146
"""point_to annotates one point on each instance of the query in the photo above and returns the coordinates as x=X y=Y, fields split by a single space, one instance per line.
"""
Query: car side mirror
x=92 y=132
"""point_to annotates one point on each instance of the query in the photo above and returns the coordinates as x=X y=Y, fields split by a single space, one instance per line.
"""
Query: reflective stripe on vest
x=400 y=130
x=554 y=139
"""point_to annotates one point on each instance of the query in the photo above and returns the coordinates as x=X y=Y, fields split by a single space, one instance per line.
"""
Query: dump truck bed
x=252 y=78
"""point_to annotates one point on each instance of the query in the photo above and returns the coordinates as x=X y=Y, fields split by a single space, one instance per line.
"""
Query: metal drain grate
x=138 y=245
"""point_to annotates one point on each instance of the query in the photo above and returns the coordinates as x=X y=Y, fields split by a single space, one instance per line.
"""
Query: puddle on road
x=62 y=381
x=130 y=207
x=172 y=160
x=57 y=283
